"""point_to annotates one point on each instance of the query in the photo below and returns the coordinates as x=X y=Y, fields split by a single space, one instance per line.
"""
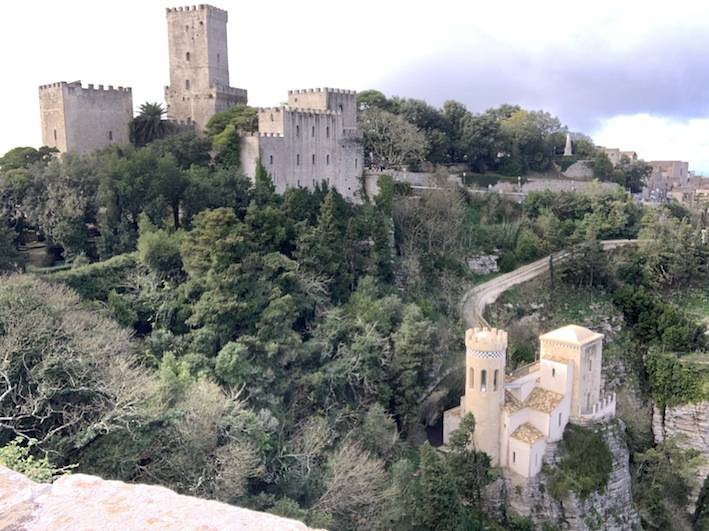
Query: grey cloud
x=582 y=83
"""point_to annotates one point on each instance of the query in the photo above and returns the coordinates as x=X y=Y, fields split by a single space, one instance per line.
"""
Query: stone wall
x=87 y=502
x=81 y=119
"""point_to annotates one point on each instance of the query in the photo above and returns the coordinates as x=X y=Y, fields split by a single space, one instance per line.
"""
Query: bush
x=585 y=466
x=673 y=382
x=17 y=457
x=95 y=281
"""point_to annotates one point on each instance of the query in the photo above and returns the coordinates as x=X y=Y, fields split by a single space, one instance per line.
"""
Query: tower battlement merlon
x=326 y=90
x=89 y=87
x=486 y=339
x=212 y=10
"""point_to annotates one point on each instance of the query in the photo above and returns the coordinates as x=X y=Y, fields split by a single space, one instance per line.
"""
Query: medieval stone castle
x=312 y=139
x=518 y=414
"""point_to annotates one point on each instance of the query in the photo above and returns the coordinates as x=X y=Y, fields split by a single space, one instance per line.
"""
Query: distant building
x=80 y=120
x=615 y=155
x=517 y=414
x=673 y=172
x=312 y=139
x=199 y=65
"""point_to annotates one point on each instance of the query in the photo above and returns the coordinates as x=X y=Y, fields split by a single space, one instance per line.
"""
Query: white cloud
x=657 y=138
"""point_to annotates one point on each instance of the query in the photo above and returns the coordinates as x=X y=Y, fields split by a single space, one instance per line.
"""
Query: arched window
x=297 y=163
x=187 y=57
x=327 y=159
x=187 y=84
x=313 y=132
x=313 y=159
x=297 y=130
x=270 y=159
x=340 y=107
x=483 y=380
x=187 y=28
x=327 y=131
x=494 y=380
x=471 y=383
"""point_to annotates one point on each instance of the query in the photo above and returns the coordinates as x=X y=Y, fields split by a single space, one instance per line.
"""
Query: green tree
x=149 y=125
x=437 y=504
x=390 y=140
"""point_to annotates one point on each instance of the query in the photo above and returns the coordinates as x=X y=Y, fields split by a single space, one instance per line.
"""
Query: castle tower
x=199 y=65
x=485 y=385
x=81 y=120
x=584 y=349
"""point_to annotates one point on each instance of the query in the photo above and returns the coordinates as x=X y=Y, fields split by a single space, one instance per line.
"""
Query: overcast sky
x=633 y=75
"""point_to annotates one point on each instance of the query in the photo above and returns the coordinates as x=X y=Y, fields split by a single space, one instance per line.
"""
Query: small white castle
x=518 y=413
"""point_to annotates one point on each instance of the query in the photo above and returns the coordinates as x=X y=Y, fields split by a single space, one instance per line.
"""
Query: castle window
x=514 y=457
x=590 y=364
x=55 y=135
x=483 y=381
x=340 y=107
x=187 y=84
x=313 y=159
x=219 y=58
x=327 y=159
x=297 y=130
x=187 y=57
x=559 y=419
x=271 y=116
x=110 y=136
x=327 y=131
x=270 y=159
x=494 y=380
x=553 y=372
x=187 y=28
x=356 y=162
x=471 y=384
x=313 y=132
x=297 y=163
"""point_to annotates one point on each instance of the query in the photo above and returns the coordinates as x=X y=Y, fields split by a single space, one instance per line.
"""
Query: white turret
x=568 y=150
x=485 y=385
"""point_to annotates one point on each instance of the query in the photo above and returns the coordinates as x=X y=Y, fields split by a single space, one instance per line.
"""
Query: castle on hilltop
x=517 y=414
x=311 y=140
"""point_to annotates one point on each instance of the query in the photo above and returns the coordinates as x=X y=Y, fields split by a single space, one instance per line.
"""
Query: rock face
x=688 y=424
x=612 y=510
x=80 y=502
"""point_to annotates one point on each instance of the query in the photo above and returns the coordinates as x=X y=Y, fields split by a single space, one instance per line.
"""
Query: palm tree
x=149 y=124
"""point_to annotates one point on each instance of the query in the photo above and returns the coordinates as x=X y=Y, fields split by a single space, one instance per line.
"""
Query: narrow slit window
x=471 y=383
x=559 y=419
x=270 y=159
x=327 y=159
x=327 y=131
x=483 y=380
x=297 y=130
x=110 y=136
x=187 y=57
x=553 y=372
x=219 y=58
x=55 y=135
x=356 y=162
x=313 y=159
x=514 y=457
x=297 y=163
x=313 y=131
x=494 y=380
x=187 y=84
x=590 y=364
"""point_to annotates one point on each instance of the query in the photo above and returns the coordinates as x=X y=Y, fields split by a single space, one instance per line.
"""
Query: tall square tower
x=583 y=348
x=199 y=65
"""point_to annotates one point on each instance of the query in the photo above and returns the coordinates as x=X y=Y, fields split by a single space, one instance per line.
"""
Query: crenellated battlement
x=299 y=110
x=486 y=339
x=198 y=7
x=89 y=87
x=323 y=89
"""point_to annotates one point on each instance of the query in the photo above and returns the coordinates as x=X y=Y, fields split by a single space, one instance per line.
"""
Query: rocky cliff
x=688 y=424
x=611 y=510
x=80 y=502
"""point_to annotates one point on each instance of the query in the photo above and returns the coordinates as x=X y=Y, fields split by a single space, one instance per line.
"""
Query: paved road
x=476 y=299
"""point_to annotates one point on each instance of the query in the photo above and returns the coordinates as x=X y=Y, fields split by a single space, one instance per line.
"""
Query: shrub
x=95 y=281
x=585 y=466
x=674 y=382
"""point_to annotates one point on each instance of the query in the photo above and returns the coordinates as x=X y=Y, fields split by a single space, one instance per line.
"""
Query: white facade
x=538 y=400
